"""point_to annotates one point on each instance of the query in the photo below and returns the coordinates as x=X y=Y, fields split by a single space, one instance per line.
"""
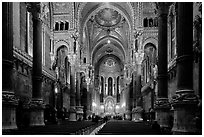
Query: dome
x=107 y=17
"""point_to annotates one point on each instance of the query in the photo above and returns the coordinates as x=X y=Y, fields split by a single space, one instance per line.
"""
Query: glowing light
x=56 y=90
x=117 y=107
x=123 y=105
x=93 y=104
x=102 y=106
x=109 y=42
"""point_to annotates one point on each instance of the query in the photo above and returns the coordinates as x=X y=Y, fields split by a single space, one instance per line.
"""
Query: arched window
x=66 y=25
x=61 y=25
x=56 y=26
x=102 y=89
x=62 y=64
x=155 y=22
x=118 y=89
x=84 y=60
x=145 y=22
x=67 y=71
x=150 y=22
x=150 y=61
x=110 y=86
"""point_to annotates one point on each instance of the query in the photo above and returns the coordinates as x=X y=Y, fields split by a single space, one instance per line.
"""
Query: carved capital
x=72 y=109
x=35 y=9
x=162 y=8
x=79 y=109
x=182 y=97
x=36 y=104
x=137 y=110
x=162 y=103
x=8 y=98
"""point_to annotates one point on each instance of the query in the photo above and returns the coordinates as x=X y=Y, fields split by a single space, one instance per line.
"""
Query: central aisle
x=125 y=127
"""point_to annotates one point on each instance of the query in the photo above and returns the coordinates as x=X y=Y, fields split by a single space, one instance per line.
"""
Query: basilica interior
x=76 y=60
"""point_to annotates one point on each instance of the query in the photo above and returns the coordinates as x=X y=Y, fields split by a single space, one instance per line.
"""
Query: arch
x=155 y=22
x=102 y=89
x=66 y=25
x=110 y=86
x=150 y=22
x=61 y=25
x=145 y=22
x=152 y=40
x=149 y=45
x=67 y=70
x=60 y=43
x=102 y=41
x=96 y=66
x=99 y=6
x=51 y=15
x=56 y=26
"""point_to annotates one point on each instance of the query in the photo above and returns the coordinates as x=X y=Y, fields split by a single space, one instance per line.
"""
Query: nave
x=71 y=62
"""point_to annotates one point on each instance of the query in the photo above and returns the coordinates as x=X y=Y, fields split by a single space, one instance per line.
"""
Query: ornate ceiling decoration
x=110 y=63
x=109 y=50
x=63 y=8
x=107 y=17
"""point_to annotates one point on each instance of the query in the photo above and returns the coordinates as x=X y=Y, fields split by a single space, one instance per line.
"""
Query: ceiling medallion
x=110 y=63
x=107 y=17
x=109 y=50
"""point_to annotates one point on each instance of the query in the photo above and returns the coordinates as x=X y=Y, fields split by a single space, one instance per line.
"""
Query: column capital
x=185 y=96
x=35 y=9
x=9 y=98
x=162 y=8
x=162 y=103
x=36 y=104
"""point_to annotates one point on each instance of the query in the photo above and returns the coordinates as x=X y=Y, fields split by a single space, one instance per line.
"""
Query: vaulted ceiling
x=108 y=28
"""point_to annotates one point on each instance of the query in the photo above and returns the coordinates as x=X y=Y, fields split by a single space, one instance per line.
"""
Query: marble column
x=9 y=102
x=79 y=108
x=36 y=104
x=185 y=101
x=162 y=105
x=72 y=111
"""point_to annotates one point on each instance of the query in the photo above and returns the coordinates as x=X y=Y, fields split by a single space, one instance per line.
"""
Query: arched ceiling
x=103 y=48
x=105 y=22
x=105 y=58
x=108 y=17
x=90 y=8
x=109 y=66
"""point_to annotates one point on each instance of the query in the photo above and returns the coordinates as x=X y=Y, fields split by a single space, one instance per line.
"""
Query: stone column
x=9 y=101
x=185 y=101
x=89 y=100
x=128 y=112
x=134 y=88
x=72 y=116
x=78 y=83
x=162 y=105
x=36 y=105
x=79 y=108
